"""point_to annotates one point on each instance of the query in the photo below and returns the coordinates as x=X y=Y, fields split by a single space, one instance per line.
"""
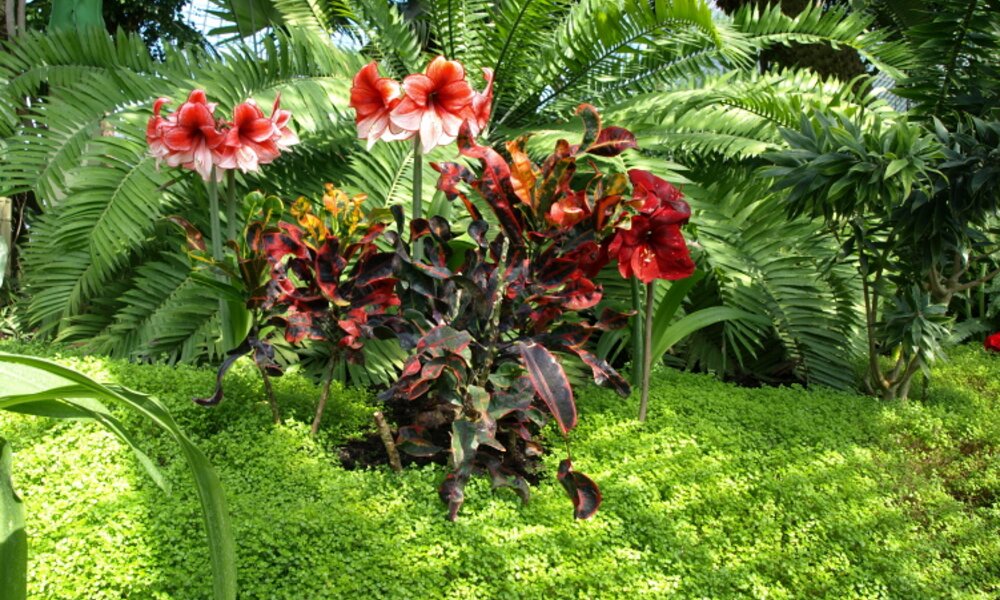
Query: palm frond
x=836 y=26
x=766 y=265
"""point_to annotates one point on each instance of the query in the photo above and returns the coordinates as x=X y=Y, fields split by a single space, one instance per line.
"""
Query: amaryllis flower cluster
x=193 y=138
x=433 y=104
x=653 y=247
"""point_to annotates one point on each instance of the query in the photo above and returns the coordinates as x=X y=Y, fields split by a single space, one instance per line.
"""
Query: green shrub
x=724 y=492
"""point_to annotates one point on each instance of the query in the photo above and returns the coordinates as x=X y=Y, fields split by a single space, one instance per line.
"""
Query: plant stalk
x=271 y=400
x=327 y=380
x=390 y=446
x=231 y=230
x=637 y=360
x=418 y=176
x=217 y=255
x=647 y=352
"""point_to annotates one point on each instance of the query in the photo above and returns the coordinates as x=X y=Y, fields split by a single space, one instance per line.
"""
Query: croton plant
x=488 y=314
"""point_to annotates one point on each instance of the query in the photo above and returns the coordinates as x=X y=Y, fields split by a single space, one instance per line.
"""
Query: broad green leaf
x=698 y=320
x=13 y=539
x=671 y=301
x=36 y=380
x=895 y=166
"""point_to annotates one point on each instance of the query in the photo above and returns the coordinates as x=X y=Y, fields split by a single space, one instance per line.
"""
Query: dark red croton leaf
x=612 y=141
x=584 y=493
x=603 y=141
x=412 y=440
x=550 y=383
x=263 y=354
x=195 y=241
x=278 y=243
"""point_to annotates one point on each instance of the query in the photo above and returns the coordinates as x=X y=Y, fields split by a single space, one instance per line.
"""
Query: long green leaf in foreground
x=36 y=386
x=13 y=540
x=692 y=322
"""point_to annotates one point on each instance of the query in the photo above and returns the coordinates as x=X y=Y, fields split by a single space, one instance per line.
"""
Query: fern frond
x=389 y=37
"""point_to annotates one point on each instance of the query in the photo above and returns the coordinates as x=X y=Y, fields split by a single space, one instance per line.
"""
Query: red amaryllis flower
x=436 y=104
x=193 y=138
x=156 y=127
x=373 y=98
x=992 y=343
x=654 y=247
x=482 y=104
x=250 y=140
x=649 y=192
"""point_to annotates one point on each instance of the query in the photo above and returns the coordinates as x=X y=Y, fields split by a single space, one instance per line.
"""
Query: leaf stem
x=271 y=400
x=217 y=255
x=418 y=176
x=647 y=353
x=231 y=204
x=327 y=379
x=637 y=361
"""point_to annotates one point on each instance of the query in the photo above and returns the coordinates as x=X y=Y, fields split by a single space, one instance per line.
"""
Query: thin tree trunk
x=271 y=400
x=7 y=235
x=327 y=380
x=390 y=446
x=647 y=351
x=10 y=18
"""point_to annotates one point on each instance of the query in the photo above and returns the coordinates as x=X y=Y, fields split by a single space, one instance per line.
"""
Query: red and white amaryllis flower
x=249 y=141
x=436 y=103
x=284 y=138
x=192 y=137
x=373 y=98
x=156 y=128
x=433 y=104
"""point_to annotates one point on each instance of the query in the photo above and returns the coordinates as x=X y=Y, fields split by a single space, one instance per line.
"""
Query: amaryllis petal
x=431 y=129
x=482 y=104
x=406 y=116
x=418 y=87
x=177 y=139
x=372 y=98
x=443 y=71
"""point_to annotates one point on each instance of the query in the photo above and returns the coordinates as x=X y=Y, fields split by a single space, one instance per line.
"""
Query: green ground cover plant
x=723 y=492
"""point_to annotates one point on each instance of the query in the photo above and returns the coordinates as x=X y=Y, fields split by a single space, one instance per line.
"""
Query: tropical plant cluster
x=476 y=210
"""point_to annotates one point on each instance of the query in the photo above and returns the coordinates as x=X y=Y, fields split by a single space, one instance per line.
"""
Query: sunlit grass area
x=724 y=492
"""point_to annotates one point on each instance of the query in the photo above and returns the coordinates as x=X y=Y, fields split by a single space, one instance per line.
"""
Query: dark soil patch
x=369 y=452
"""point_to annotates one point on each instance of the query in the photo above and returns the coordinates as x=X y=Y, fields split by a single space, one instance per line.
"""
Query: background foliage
x=101 y=268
